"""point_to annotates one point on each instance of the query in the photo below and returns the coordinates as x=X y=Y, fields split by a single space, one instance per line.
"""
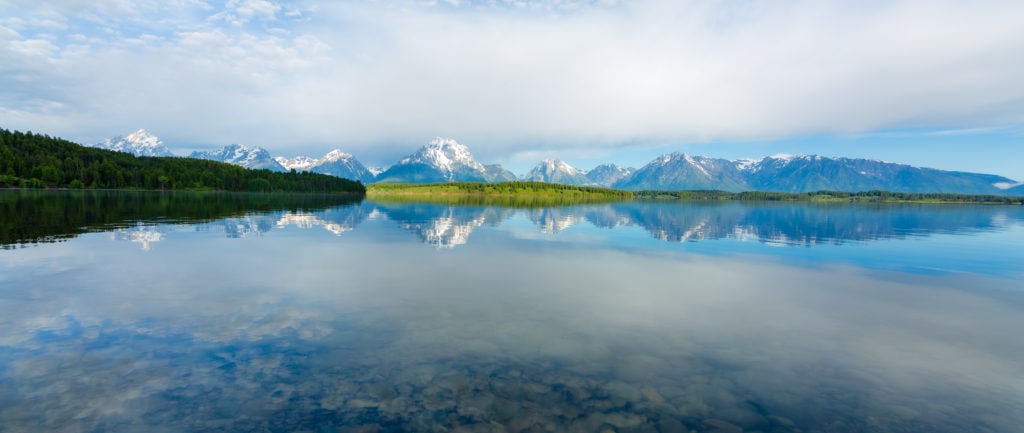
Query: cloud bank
x=506 y=76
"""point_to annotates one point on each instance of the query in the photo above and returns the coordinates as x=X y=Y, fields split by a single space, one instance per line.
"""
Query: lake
x=148 y=312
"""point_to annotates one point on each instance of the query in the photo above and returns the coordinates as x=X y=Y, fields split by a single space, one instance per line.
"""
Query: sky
x=935 y=83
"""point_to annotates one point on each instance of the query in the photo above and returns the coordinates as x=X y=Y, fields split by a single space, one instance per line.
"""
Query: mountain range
x=237 y=154
x=446 y=160
x=334 y=163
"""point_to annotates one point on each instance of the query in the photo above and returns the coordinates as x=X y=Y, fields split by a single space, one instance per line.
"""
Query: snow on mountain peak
x=306 y=163
x=785 y=156
x=746 y=164
x=237 y=154
x=297 y=163
x=138 y=143
x=243 y=154
x=557 y=165
x=141 y=138
x=557 y=171
x=445 y=154
x=335 y=155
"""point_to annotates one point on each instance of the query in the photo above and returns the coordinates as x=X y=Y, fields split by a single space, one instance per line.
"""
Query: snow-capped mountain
x=299 y=163
x=443 y=160
x=556 y=171
x=607 y=174
x=803 y=173
x=138 y=143
x=681 y=171
x=342 y=164
x=446 y=160
x=248 y=157
x=334 y=163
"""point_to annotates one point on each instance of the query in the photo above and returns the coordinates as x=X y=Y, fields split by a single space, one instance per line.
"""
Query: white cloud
x=498 y=74
x=240 y=12
x=33 y=47
x=677 y=70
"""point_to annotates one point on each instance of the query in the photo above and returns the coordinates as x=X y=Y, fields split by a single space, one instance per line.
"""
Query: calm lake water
x=141 y=312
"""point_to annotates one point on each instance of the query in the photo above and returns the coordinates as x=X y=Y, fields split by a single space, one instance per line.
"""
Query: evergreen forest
x=30 y=160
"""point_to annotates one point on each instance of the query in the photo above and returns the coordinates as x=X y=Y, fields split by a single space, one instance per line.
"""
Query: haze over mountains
x=446 y=160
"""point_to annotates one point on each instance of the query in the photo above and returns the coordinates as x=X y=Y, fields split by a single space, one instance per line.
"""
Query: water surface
x=321 y=315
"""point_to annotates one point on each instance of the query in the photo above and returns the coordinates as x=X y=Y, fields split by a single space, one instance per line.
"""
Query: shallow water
x=421 y=317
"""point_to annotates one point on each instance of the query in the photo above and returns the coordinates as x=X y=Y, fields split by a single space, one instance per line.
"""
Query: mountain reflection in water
x=313 y=314
x=447 y=226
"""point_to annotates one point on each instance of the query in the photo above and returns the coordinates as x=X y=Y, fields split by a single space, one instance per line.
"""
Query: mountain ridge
x=447 y=160
x=243 y=156
x=335 y=163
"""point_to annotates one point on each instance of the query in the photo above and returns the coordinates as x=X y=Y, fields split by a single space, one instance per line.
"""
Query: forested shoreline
x=30 y=160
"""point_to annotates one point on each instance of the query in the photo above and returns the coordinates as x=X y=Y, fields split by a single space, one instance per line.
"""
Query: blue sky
x=932 y=83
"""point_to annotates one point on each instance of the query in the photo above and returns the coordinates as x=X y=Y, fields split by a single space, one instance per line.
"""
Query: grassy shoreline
x=470 y=192
x=502 y=189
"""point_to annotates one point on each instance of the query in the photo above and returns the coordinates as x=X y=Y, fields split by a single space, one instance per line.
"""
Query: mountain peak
x=241 y=155
x=138 y=143
x=335 y=163
x=444 y=154
x=785 y=156
x=444 y=142
x=300 y=163
x=335 y=155
x=442 y=160
x=607 y=174
x=558 y=164
x=557 y=171
x=142 y=136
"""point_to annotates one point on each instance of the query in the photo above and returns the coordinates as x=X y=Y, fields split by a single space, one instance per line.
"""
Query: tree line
x=30 y=160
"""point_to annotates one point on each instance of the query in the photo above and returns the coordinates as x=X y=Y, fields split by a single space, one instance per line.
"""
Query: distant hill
x=37 y=161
